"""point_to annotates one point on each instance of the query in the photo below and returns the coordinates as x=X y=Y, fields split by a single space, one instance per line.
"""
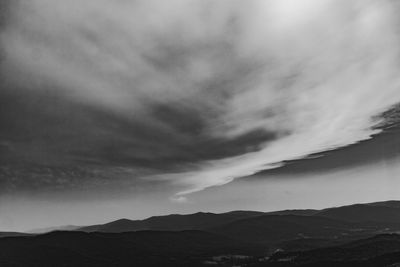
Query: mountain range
x=356 y=234
x=376 y=213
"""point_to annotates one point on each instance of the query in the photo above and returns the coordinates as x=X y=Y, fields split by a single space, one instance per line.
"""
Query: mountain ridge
x=351 y=235
x=388 y=210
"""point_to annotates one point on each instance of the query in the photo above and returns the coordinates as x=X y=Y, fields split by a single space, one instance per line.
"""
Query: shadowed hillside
x=355 y=235
x=147 y=248
x=174 y=222
x=381 y=250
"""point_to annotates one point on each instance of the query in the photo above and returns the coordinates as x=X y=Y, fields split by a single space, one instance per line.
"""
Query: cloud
x=206 y=91
x=179 y=199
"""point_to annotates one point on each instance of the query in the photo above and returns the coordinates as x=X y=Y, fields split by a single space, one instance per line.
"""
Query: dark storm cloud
x=72 y=131
x=47 y=140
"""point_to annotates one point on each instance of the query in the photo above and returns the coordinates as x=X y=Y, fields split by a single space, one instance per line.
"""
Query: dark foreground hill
x=146 y=248
x=186 y=248
x=270 y=229
x=378 y=251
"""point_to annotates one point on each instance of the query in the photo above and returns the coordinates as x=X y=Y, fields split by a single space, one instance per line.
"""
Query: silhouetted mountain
x=301 y=237
x=175 y=222
x=390 y=204
x=145 y=248
x=55 y=228
x=6 y=234
x=306 y=212
x=379 y=212
x=272 y=228
x=375 y=212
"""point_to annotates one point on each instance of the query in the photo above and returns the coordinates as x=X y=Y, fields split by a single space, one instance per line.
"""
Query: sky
x=126 y=109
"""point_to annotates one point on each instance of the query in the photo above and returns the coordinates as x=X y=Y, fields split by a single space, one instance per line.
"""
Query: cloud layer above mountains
x=192 y=93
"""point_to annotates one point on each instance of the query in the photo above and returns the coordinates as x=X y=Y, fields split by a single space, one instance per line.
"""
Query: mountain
x=354 y=235
x=376 y=212
x=389 y=203
x=305 y=212
x=55 y=228
x=174 y=222
x=383 y=212
x=145 y=248
x=10 y=234
x=301 y=227
x=184 y=248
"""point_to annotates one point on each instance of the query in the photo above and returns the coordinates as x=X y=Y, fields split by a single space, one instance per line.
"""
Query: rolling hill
x=354 y=235
x=387 y=212
x=345 y=223
x=380 y=250
x=145 y=248
x=174 y=222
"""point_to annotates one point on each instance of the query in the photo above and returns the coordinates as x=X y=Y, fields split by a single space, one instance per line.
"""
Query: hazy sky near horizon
x=118 y=108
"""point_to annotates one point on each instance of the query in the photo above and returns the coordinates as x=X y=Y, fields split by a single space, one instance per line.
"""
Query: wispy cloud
x=261 y=81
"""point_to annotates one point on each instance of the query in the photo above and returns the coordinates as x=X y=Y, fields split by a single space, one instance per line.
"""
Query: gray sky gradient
x=116 y=101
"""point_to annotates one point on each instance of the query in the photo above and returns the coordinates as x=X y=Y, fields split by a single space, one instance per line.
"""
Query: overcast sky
x=120 y=108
